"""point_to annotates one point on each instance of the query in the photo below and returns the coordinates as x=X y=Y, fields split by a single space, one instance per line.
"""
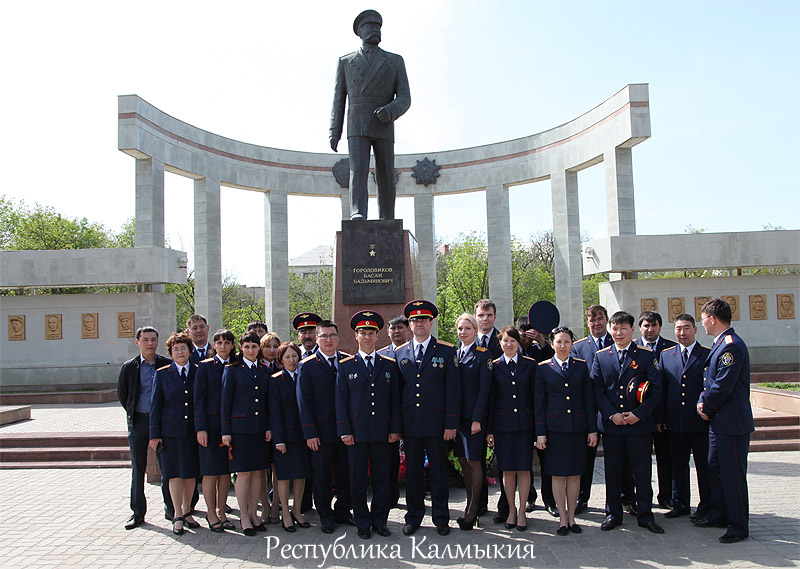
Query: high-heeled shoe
x=216 y=527
x=180 y=530
x=304 y=525
x=192 y=524
x=467 y=524
x=290 y=529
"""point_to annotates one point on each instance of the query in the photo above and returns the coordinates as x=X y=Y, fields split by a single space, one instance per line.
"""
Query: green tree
x=312 y=292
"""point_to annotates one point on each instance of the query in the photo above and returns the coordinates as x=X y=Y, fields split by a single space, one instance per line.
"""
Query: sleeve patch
x=726 y=359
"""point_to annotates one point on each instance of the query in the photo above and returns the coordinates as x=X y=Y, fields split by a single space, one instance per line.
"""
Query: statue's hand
x=334 y=143
x=382 y=114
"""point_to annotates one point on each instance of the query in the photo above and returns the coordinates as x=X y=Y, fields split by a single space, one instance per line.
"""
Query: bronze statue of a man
x=377 y=85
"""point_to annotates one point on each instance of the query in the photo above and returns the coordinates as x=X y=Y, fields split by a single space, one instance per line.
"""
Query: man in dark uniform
x=376 y=84
x=368 y=414
x=627 y=386
x=399 y=333
x=650 y=327
x=585 y=349
x=306 y=325
x=682 y=368
x=486 y=314
x=725 y=403
x=316 y=391
x=431 y=410
x=197 y=328
x=134 y=389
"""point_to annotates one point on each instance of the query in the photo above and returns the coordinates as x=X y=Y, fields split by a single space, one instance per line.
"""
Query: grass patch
x=781 y=385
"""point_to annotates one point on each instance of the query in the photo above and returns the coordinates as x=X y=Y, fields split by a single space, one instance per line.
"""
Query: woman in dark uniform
x=245 y=428
x=565 y=410
x=292 y=458
x=270 y=342
x=213 y=454
x=475 y=365
x=511 y=422
x=172 y=428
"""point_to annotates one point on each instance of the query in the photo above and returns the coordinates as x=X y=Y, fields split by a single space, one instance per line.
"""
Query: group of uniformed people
x=311 y=407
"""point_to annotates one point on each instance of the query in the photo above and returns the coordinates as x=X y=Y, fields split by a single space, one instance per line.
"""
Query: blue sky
x=724 y=83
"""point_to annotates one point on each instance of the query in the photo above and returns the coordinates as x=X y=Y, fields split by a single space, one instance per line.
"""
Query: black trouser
x=416 y=447
x=331 y=464
x=138 y=441
x=375 y=457
x=638 y=449
x=586 y=478
x=727 y=466
x=682 y=446
x=394 y=473
x=663 y=466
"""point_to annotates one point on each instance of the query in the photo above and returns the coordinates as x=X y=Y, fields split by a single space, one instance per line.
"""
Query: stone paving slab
x=74 y=518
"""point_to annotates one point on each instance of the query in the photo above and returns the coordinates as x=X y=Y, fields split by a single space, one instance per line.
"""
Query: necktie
x=370 y=367
x=600 y=343
x=684 y=355
x=651 y=345
x=419 y=355
x=201 y=352
x=332 y=361
x=564 y=368
x=512 y=366
x=484 y=341
x=621 y=354
x=183 y=374
x=306 y=354
x=462 y=355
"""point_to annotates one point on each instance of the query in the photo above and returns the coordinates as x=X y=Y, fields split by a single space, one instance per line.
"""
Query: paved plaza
x=74 y=518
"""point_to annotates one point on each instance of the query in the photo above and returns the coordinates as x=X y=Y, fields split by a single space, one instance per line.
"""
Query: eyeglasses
x=327 y=336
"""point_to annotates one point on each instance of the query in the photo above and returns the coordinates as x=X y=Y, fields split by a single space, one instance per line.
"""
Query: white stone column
x=276 y=262
x=149 y=208
x=208 y=251
x=567 y=249
x=498 y=233
x=425 y=233
x=620 y=206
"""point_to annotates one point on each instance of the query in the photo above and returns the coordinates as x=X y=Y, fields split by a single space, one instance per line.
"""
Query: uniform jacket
x=511 y=397
x=383 y=83
x=284 y=413
x=316 y=398
x=564 y=404
x=494 y=347
x=245 y=396
x=368 y=406
x=611 y=388
x=586 y=348
x=431 y=396
x=130 y=384
x=538 y=352
x=682 y=388
x=195 y=358
x=476 y=383
x=387 y=351
x=171 y=407
x=726 y=386
x=208 y=394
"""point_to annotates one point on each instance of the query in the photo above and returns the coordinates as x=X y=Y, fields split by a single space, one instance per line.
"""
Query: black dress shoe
x=530 y=506
x=730 y=538
x=631 y=509
x=409 y=529
x=348 y=521
x=553 y=511
x=666 y=504
x=304 y=525
x=676 y=513
x=575 y=528
x=169 y=515
x=443 y=529
x=191 y=524
x=364 y=533
x=610 y=523
x=249 y=532
x=327 y=528
x=178 y=531
x=290 y=529
x=562 y=530
x=133 y=522
x=383 y=531
x=522 y=528
x=706 y=523
x=652 y=527
x=510 y=526
x=581 y=506
x=260 y=527
x=500 y=517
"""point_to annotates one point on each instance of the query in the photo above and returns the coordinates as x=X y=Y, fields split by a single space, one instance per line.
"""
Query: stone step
x=14 y=413
x=782 y=432
x=78 y=439
x=64 y=454
x=768 y=376
x=65 y=464
x=59 y=397
x=764 y=419
x=772 y=445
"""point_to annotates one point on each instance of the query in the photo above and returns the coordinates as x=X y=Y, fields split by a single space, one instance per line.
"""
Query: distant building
x=313 y=261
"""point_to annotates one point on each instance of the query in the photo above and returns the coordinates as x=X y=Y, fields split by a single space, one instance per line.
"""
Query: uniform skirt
x=213 y=458
x=514 y=450
x=565 y=454
x=295 y=463
x=467 y=445
x=179 y=458
x=249 y=452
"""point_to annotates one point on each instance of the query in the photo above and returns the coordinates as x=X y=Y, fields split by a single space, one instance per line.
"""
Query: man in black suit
x=197 y=328
x=486 y=314
x=376 y=84
x=134 y=389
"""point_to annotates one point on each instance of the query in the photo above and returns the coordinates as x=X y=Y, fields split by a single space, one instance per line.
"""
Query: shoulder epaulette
x=579 y=360
x=345 y=354
x=728 y=339
x=448 y=344
x=309 y=358
x=581 y=340
x=607 y=348
x=277 y=374
x=480 y=349
x=670 y=348
x=403 y=346
x=498 y=360
x=391 y=359
x=347 y=359
x=644 y=348
x=163 y=368
x=211 y=359
x=230 y=364
x=545 y=362
x=529 y=358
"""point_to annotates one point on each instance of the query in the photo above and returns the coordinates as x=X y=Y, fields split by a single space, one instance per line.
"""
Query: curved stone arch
x=605 y=133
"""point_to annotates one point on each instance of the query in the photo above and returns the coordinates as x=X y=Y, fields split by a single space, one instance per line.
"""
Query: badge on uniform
x=455 y=359
x=437 y=361
x=634 y=365
x=352 y=376
x=726 y=359
x=490 y=364
x=388 y=376
x=655 y=364
x=404 y=361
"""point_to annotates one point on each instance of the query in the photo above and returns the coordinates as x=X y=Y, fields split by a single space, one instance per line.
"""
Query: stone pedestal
x=376 y=268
